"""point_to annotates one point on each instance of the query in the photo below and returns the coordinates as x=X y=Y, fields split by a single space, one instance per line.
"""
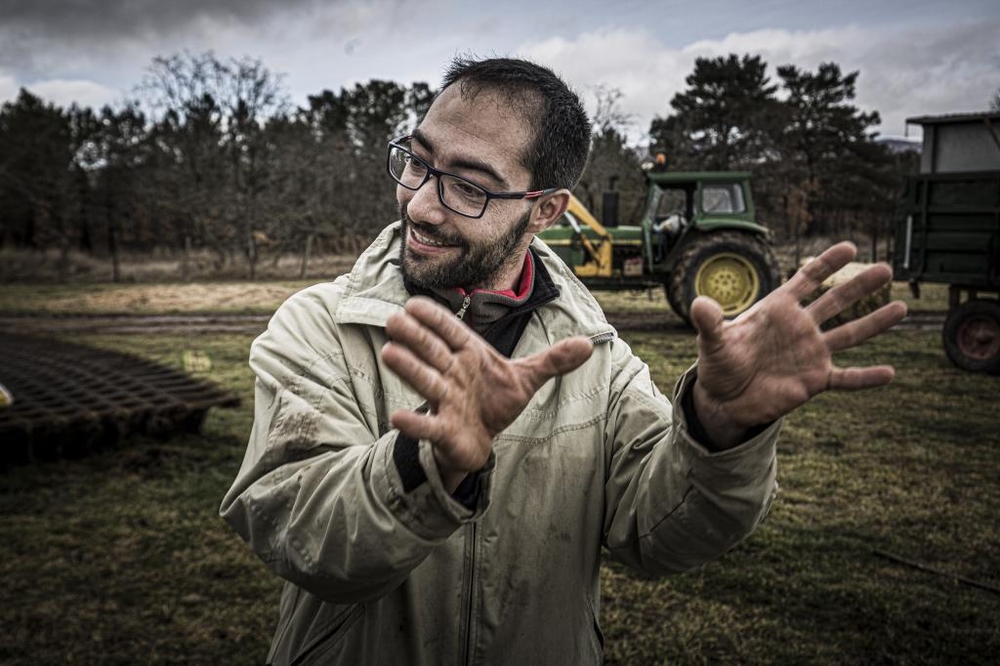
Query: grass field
x=265 y=297
x=120 y=558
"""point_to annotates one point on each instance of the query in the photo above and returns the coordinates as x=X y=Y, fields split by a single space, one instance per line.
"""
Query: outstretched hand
x=775 y=357
x=473 y=391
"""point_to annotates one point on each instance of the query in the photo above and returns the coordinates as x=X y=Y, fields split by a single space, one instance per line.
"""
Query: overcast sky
x=916 y=57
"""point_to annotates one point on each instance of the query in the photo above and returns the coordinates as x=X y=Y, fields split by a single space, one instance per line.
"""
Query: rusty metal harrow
x=70 y=399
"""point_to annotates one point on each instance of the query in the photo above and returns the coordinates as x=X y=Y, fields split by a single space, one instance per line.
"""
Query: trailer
x=948 y=232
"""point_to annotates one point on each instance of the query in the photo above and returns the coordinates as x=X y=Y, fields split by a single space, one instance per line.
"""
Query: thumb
x=707 y=319
x=564 y=356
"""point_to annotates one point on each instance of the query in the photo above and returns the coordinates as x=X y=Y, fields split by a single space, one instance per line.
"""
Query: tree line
x=209 y=153
x=815 y=166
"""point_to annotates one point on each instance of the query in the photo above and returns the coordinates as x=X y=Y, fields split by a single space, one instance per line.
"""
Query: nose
x=424 y=205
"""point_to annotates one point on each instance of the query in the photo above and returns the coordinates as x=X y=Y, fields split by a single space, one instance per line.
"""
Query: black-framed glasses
x=456 y=193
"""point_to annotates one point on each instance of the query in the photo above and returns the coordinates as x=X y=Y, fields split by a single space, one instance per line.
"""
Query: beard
x=478 y=264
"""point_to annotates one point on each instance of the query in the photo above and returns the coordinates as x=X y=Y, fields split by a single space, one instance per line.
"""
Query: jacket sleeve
x=671 y=504
x=319 y=497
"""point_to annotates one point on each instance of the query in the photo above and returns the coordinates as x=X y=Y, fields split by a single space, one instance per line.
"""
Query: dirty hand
x=473 y=391
x=775 y=357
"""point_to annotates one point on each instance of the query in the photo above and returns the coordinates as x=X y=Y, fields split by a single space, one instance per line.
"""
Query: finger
x=844 y=295
x=417 y=426
x=854 y=379
x=707 y=319
x=808 y=279
x=855 y=332
x=410 y=333
x=441 y=321
x=564 y=356
x=424 y=379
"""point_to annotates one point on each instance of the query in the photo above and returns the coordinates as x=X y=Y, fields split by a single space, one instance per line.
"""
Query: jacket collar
x=375 y=288
x=375 y=292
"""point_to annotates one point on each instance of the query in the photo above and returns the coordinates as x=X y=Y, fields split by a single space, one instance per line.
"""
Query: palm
x=775 y=357
x=481 y=394
x=473 y=392
x=767 y=363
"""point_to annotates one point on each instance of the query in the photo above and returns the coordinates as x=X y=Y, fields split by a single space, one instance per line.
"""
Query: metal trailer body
x=948 y=232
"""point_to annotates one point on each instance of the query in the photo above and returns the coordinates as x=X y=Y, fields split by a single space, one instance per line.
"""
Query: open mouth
x=427 y=241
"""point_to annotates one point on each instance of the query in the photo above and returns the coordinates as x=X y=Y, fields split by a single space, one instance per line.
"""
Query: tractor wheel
x=733 y=268
x=972 y=336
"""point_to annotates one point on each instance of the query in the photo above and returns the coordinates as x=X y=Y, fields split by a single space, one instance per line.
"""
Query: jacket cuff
x=406 y=456
x=756 y=454
x=467 y=492
x=425 y=506
x=694 y=425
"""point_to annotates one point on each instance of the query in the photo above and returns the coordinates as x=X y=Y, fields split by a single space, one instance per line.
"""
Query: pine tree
x=720 y=120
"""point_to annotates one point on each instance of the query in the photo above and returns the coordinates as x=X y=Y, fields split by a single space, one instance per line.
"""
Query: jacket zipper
x=472 y=557
x=465 y=306
x=472 y=592
x=601 y=338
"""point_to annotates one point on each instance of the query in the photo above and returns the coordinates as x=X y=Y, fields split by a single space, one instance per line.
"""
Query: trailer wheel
x=972 y=336
x=735 y=269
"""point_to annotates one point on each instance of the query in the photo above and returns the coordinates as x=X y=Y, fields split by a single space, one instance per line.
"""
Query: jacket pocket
x=317 y=650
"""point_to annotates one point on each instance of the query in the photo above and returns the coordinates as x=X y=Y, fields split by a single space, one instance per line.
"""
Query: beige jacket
x=377 y=575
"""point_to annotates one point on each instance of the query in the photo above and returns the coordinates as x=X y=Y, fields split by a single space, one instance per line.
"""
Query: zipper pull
x=465 y=306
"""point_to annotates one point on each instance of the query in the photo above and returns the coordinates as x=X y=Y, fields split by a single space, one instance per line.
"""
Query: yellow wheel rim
x=729 y=279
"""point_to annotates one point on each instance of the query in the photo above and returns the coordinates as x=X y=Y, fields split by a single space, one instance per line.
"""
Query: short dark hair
x=557 y=154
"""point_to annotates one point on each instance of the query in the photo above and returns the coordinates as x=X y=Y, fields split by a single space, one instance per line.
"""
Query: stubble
x=478 y=264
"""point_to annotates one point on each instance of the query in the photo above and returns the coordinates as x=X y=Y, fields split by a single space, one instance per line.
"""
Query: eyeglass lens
x=456 y=193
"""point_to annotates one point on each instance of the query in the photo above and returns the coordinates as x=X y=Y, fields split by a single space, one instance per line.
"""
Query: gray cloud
x=928 y=59
x=946 y=69
x=906 y=69
x=93 y=19
x=111 y=40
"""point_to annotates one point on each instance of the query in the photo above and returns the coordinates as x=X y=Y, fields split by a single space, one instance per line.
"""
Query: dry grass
x=200 y=297
x=51 y=267
x=165 y=266
x=265 y=297
x=150 y=283
x=167 y=298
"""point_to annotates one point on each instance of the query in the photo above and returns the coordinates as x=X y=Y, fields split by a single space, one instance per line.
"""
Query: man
x=446 y=438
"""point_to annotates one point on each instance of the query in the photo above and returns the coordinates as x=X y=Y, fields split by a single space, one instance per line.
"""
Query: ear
x=548 y=209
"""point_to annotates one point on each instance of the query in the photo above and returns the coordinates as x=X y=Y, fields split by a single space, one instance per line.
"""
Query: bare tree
x=613 y=163
x=210 y=118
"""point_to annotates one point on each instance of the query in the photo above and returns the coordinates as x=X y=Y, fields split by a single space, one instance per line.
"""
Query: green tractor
x=697 y=237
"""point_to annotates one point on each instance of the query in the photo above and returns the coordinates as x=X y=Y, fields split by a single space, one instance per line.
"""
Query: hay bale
x=866 y=305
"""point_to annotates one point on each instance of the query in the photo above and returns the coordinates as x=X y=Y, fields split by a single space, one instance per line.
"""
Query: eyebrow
x=461 y=162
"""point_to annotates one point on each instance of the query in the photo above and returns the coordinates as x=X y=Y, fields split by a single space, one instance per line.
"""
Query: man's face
x=482 y=141
x=470 y=264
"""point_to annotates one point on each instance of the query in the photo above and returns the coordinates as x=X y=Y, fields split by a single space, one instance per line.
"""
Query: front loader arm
x=602 y=254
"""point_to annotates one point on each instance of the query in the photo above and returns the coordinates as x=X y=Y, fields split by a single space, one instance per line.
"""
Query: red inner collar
x=523 y=285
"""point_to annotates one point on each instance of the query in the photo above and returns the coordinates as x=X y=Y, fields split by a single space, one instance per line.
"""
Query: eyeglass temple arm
x=532 y=194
